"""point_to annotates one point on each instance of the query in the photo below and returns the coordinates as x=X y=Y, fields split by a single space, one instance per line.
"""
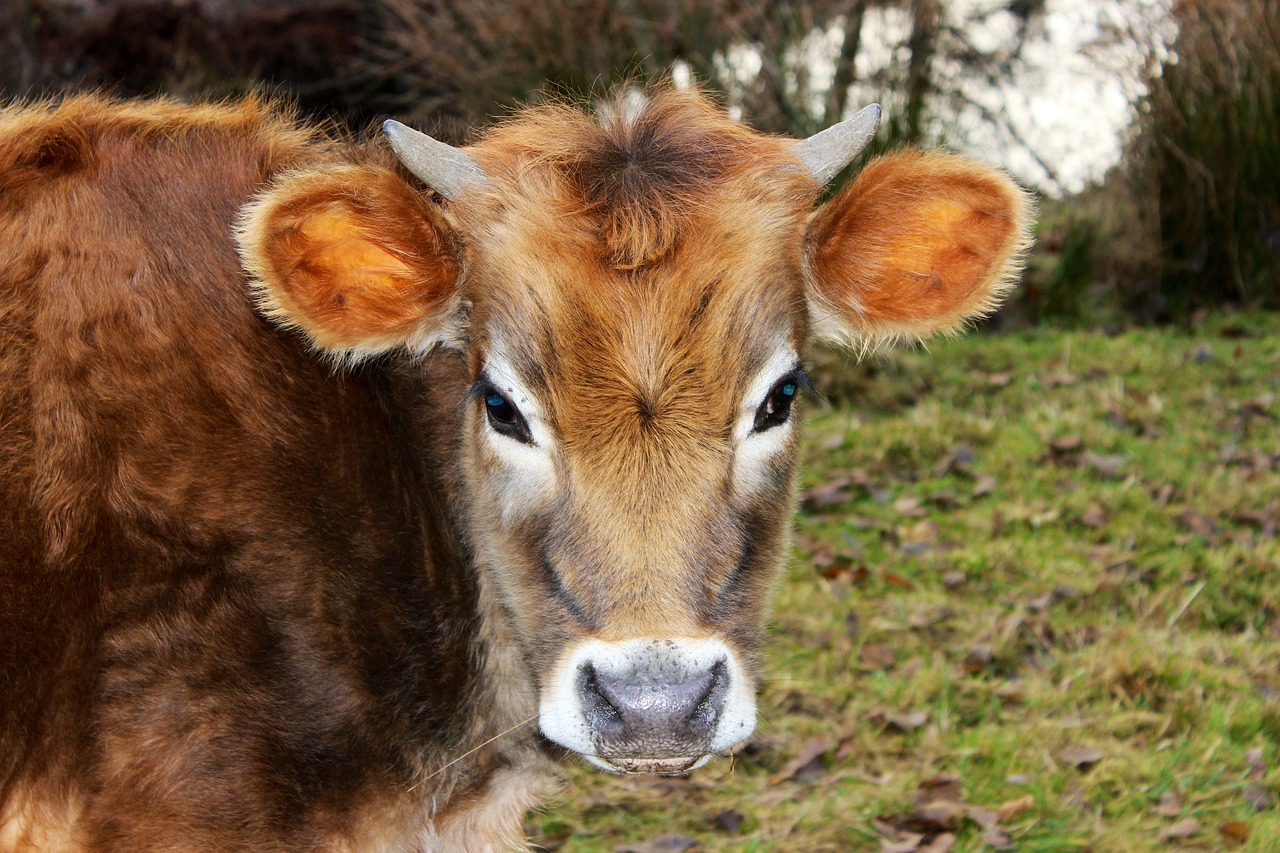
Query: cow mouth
x=649 y=766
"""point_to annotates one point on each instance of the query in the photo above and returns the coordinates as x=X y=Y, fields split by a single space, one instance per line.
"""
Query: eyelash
x=777 y=405
x=503 y=416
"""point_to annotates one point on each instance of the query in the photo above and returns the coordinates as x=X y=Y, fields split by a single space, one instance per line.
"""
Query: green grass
x=1064 y=541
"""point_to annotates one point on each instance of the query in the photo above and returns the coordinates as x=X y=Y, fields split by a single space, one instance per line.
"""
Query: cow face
x=633 y=294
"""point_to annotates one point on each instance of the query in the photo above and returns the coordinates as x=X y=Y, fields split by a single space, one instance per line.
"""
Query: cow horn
x=445 y=169
x=828 y=151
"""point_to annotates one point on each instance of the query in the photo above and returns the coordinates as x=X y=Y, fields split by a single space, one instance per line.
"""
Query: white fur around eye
x=754 y=450
x=525 y=473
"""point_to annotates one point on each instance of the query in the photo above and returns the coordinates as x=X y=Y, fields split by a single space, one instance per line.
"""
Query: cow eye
x=503 y=416
x=776 y=408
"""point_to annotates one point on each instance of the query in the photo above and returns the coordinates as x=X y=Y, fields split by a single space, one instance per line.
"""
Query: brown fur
x=258 y=604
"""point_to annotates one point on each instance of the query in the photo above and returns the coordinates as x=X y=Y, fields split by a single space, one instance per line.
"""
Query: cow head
x=633 y=293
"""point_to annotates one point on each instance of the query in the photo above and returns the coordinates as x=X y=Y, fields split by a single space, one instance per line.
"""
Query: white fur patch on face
x=527 y=471
x=753 y=450
x=564 y=718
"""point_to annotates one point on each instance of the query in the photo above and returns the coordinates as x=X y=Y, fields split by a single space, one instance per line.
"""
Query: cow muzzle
x=648 y=706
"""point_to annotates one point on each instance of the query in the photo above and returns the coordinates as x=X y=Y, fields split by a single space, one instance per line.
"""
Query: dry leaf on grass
x=978 y=659
x=729 y=820
x=1065 y=447
x=940 y=810
x=807 y=764
x=1011 y=693
x=877 y=656
x=903 y=722
x=1012 y=809
x=1170 y=805
x=983 y=486
x=1234 y=832
x=1081 y=757
x=1109 y=465
x=1094 y=517
x=1259 y=796
x=901 y=843
x=1184 y=828
x=661 y=844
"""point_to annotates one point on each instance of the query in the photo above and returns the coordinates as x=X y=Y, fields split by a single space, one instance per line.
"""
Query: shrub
x=1207 y=158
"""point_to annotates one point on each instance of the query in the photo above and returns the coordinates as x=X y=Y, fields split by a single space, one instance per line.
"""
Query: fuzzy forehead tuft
x=642 y=167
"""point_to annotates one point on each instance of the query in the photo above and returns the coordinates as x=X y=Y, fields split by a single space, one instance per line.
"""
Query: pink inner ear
x=918 y=244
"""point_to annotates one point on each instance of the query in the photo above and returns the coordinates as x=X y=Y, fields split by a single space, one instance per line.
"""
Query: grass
x=1050 y=571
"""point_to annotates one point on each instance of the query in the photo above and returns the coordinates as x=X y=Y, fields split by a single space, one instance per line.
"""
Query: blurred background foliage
x=1185 y=217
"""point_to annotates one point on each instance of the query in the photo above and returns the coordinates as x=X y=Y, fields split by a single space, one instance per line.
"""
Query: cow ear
x=355 y=258
x=917 y=244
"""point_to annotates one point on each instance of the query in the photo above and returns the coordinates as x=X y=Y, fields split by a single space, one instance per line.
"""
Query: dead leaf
x=1259 y=796
x=959 y=461
x=944 y=814
x=979 y=657
x=1170 y=805
x=981 y=816
x=807 y=764
x=985 y=485
x=1076 y=799
x=1061 y=380
x=877 y=656
x=661 y=844
x=1040 y=603
x=850 y=574
x=831 y=493
x=1110 y=465
x=729 y=820
x=939 y=787
x=927 y=617
x=1200 y=525
x=997 y=839
x=900 y=721
x=1257 y=767
x=1010 y=810
x=1202 y=354
x=1094 y=516
x=909 y=506
x=1066 y=445
x=1011 y=693
x=999 y=380
x=1081 y=757
x=944 y=843
x=1184 y=828
x=898 y=580
x=1235 y=831
x=905 y=843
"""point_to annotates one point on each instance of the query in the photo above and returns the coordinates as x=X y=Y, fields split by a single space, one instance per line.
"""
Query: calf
x=504 y=476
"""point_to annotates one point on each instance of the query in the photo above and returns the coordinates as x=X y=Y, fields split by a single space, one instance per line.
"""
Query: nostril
x=603 y=716
x=672 y=708
x=707 y=708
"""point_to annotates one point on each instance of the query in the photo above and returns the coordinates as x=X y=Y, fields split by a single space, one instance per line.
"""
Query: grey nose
x=653 y=714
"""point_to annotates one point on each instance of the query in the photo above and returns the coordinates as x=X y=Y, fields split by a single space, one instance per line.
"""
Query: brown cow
x=508 y=479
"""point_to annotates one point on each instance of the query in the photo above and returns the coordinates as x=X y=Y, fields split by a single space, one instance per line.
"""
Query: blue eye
x=504 y=417
x=776 y=408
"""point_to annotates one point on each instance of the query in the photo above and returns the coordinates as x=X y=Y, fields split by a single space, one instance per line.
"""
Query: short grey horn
x=445 y=169
x=830 y=150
